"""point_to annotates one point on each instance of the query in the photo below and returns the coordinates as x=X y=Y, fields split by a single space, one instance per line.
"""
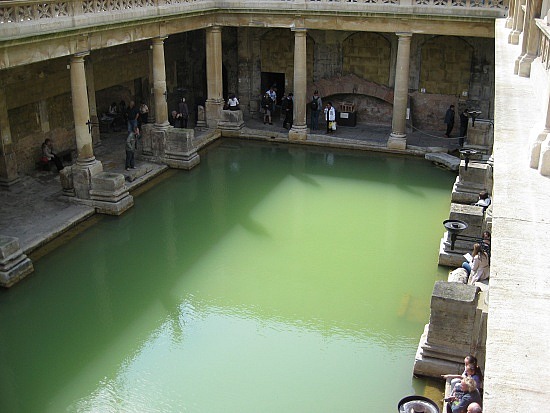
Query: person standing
x=288 y=108
x=463 y=126
x=183 y=112
x=266 y=107
x=133 y=115
x=143 y=113
x=330 y=116
x=450 y=120
x=315 y=105
x=273 y=95
x=131 y=142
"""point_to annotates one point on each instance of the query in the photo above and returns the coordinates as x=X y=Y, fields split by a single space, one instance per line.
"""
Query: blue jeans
x=132 y=125
x=467 y=267
x=315 y=119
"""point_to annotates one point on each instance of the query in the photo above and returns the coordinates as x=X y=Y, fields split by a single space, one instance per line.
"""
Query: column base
x=213 y=108
x=14 y=265
x=81 y=179
x=297 y=133
x=513 y=37
x=535 y=148
x=397 y=141
x=7 y=182
x=544 y=162
x=524 y=69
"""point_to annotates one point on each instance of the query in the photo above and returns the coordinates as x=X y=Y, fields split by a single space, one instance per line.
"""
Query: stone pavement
x=518 y=331
x=35 y=211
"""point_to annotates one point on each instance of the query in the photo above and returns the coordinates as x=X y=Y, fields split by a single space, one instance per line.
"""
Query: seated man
x=484 y=200
x=49 y=155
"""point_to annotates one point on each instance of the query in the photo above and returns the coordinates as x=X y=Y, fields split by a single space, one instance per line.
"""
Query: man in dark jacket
x=450 y=120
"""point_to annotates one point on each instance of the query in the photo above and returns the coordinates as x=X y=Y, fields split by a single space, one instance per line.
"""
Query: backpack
x=314 y=104
x=266 y=102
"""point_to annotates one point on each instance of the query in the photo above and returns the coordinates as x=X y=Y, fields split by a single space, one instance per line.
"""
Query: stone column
x=540 y=149
x=86 y=165
x=159 y=84
x=517 y=24
x=531 y=38
x=81 y=110
x=510 y=19
x=397 y=139
x=90 y=84
x=8 y=161
x=298 y=132
x=214 y=79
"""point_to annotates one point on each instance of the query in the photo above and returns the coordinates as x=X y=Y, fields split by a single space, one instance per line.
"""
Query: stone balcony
x=19 y=18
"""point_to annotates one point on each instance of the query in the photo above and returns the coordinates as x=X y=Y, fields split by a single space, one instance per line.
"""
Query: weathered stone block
x=108 y=182
x=8 y=247
x=470 y=182
x=231 y=121
x=14 y=265
x=180 y=150
x=471 y=214
x=444 y=159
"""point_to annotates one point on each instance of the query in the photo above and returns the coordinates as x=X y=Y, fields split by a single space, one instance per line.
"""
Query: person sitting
x=471 y=369
x=474 y=408
x=459 y=402
x=49 y=155
x=484 y=200
x=233 y=102
x=478 y=267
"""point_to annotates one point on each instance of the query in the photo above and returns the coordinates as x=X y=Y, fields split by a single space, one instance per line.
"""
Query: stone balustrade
x=15 y=15
x=544 y=48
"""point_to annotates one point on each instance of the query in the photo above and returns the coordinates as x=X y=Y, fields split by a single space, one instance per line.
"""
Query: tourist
x=469 y=394
x=133 y=115
x=484 y=200
x=267 y=105
x=450 y=120
x=183 y=113
x=316 y=105
x=471 y=369
x=288 y=110
x=233 y=102
x=272 y=92
x=143 y=113
x=478 y=265
x=330 y=117
x=50 y=156
x=131 y=142
x=474 y=408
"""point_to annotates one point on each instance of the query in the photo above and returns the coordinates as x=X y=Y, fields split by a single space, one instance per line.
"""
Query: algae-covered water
x=270 y=278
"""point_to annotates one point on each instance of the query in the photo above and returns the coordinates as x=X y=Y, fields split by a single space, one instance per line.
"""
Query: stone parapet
x=455 y=330
x=14 y=265
x=109 y=194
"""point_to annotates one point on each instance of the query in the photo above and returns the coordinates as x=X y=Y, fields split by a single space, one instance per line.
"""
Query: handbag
x=333 y=126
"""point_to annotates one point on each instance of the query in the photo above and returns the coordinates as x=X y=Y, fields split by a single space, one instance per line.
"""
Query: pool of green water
x=270 y=278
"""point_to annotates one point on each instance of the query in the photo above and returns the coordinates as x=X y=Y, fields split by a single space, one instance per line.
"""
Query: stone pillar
x=159 y=84
x=531 y=38
x=90 y=84
x=214 y=79
x=456 y=328
x=8 y=161
x=537 y=143
x=86 y=165
x=510 y=19
x=517 y=24
x=397 y=139
x=298 y=132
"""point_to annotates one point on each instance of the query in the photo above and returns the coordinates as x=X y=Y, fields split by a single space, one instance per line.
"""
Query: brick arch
x=445 y=65
x=351 y=84
x=367 y=55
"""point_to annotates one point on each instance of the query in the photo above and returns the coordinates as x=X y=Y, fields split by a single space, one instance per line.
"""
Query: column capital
x=80 y=55
x=299 y=30
x=404 y=35
x=214 y=28
x=159 y=39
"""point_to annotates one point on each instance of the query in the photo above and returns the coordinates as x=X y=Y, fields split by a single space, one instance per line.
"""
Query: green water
x=270 y=278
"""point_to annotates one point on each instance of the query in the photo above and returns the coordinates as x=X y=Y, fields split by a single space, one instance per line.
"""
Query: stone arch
x=277 y=55
x=367 y=55
x=445 y=65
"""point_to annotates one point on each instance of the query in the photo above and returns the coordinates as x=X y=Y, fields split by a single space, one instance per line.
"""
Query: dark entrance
x=274 y=79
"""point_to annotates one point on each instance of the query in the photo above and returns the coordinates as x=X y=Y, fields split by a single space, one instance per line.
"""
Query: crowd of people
x=466 y=389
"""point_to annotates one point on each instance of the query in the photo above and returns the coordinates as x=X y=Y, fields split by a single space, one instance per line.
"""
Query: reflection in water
x=285 y=284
